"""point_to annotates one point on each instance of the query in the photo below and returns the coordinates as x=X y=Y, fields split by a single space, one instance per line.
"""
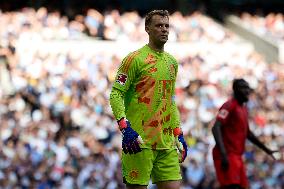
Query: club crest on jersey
x=223 y=113
x=151 y=59
x=121 y=78
x=134 y=174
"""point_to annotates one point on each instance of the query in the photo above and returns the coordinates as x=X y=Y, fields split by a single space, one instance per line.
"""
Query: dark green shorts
x=159 y=165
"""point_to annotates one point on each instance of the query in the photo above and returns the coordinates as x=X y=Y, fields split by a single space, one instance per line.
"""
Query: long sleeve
x=117 y=103
x=174 y=108
x=124 y=77
x=175 y=115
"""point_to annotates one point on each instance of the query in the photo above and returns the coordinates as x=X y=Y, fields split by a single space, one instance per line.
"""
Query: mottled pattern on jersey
x=147 y=80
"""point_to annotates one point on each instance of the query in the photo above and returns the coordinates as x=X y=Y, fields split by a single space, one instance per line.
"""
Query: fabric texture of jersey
x=234 y=119
x=146 y=81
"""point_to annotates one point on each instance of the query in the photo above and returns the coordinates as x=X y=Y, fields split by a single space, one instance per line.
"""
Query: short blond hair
x=150 y=14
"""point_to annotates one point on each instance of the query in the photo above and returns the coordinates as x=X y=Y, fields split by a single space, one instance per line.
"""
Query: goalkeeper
x=143 y=102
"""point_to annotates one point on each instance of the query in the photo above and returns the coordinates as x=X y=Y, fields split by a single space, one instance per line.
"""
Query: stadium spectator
x=270 y=26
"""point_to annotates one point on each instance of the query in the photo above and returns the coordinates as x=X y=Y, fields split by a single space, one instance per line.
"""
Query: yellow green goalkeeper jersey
x=144 y=93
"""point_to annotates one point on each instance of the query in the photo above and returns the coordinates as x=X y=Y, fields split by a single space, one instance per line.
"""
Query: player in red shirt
x=231 y=129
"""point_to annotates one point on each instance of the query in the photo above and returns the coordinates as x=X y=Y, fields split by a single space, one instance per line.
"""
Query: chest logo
x=153 y=70
x=150 y=59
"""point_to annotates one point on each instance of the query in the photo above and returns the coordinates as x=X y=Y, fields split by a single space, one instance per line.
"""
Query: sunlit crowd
x=56 y=126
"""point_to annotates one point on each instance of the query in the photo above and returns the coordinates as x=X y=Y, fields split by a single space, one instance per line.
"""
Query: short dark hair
x=240 y=82
x=150 y=14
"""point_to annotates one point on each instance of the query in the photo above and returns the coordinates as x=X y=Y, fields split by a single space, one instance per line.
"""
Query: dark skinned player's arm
x=216 y=130
x=251 y=137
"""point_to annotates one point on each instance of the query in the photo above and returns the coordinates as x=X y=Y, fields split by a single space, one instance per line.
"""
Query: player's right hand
x=130 y=139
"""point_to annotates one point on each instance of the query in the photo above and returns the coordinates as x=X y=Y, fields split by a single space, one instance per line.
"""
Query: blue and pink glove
x=181 y=144
x=130 y=139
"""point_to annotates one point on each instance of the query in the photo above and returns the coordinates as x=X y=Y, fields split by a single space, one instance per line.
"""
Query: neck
x=240 y=101
x=155 y=47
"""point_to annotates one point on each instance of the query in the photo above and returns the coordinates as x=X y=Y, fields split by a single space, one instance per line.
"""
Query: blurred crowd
x=56 y=126
x=270 y=25
x=110 y=25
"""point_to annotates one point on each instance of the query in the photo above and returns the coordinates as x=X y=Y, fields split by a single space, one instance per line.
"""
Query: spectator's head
x=157 y=26
x=241 y=90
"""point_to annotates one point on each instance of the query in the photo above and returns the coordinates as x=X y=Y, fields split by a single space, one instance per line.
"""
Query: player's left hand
x=182 y=146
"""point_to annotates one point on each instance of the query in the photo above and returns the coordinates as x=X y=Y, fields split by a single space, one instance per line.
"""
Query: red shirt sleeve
x=224 y=111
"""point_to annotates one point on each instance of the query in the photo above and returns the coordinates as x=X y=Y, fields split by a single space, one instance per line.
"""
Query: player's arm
x=175 y=120
x=175 y=113
x=221 y=120
x=124 y=77
x=181 y=144
x=216 y=130
x=217 y=133
x=117 y=103
x=251 y=137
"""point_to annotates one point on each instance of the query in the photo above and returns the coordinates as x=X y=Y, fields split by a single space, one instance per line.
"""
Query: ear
x=147 y=29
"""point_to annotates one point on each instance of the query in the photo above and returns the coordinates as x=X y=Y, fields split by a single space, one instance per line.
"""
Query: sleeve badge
x=121 y=78
x=223 y=113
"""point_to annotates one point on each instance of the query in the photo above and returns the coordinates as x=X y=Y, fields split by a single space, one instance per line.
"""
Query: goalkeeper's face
x=158 y=29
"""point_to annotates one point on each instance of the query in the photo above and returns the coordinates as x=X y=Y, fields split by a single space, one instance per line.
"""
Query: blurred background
x=57 y=66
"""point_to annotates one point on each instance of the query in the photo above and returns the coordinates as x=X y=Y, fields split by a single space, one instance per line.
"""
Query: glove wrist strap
x=122 y=124
x=177 y=131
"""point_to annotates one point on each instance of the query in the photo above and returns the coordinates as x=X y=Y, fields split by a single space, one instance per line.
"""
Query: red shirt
x=234 y=119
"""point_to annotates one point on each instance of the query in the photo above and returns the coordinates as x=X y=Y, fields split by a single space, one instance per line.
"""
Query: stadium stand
x=57 y=129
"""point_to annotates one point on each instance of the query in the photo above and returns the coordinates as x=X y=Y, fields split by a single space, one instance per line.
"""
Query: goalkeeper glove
x=130 y=138
x=181 y=144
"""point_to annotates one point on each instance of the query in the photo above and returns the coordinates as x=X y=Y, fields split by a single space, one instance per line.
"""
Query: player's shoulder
x=132 y=56
x=133 y=53
x=225 y=109
x=230 y=104
x=171 y=58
